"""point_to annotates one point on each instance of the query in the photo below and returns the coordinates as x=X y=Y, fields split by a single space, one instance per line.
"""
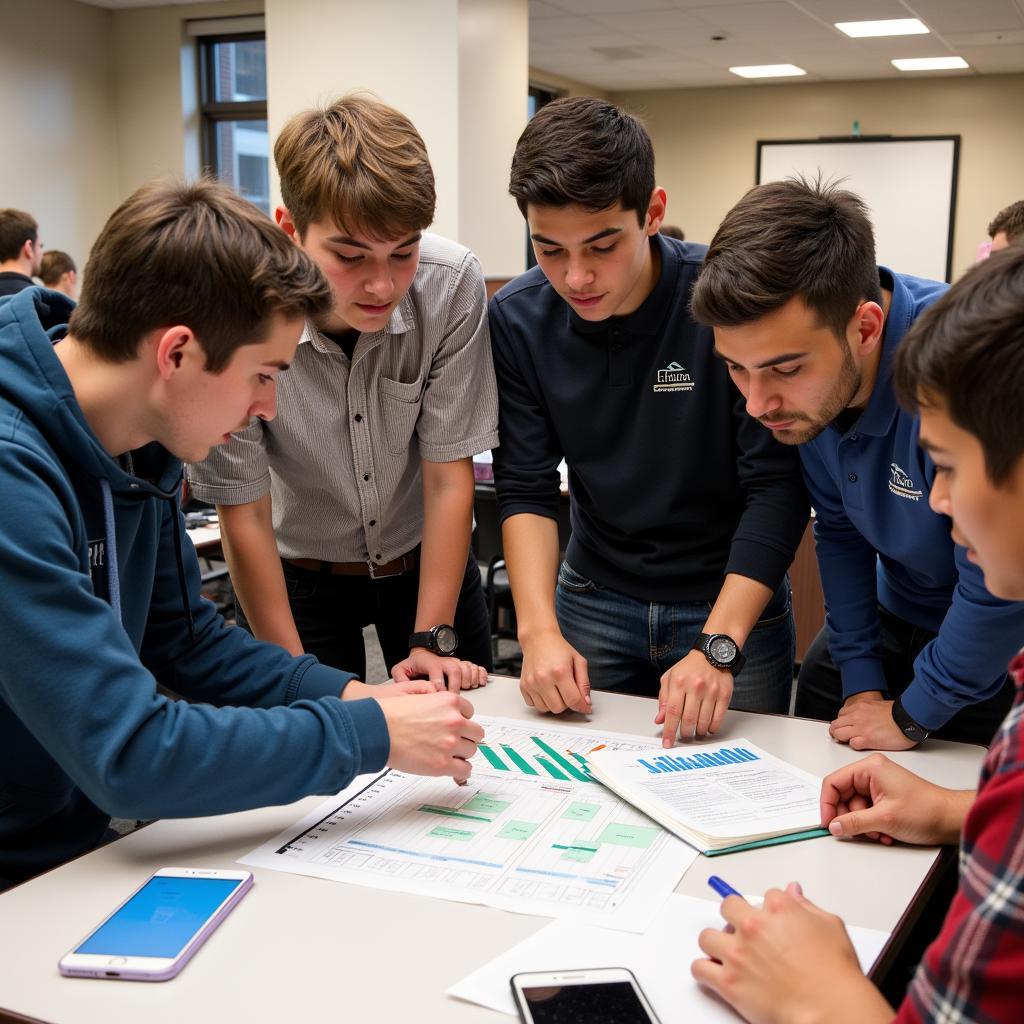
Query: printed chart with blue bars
x=532 y=831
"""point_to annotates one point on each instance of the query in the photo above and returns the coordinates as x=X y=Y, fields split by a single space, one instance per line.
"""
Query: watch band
x=705 y=643
x=911 y=729
x=440 y=639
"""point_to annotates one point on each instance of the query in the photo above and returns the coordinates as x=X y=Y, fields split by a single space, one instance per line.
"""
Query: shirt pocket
x=400 y=405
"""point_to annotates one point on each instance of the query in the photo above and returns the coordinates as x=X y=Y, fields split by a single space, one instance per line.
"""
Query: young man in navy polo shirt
x=808 y=326
x=685 y=515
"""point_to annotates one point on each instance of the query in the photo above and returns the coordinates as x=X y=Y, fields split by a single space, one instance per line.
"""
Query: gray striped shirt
x=341 y=460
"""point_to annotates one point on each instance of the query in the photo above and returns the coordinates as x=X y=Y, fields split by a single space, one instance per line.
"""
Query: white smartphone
x=155 y=932
x=585 y=996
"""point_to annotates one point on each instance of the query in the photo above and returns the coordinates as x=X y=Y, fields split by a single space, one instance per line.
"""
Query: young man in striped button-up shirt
x=355 y=505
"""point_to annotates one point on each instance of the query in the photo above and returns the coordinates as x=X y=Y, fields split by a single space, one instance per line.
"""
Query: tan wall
x=705 y=139
x=153 y=75
x=565 y=86
x=58 y=135
x=404 y=51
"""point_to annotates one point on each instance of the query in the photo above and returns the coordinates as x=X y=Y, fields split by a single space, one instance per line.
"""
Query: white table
x=307 y=947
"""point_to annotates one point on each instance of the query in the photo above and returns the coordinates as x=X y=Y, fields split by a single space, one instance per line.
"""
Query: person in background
x=21 y=252
x=355 y=506
x=58 y=271
x=808 y=326
x=685 y=514
x=191 y=312
x=961 y=368
x=671 y=231
x=1007 y=226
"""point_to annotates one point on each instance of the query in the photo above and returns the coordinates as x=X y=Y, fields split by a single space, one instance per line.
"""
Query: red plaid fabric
x=974 y=970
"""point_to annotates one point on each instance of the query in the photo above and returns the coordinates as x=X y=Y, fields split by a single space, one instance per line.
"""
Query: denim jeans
x=331 y=611
x=819 y=686
x=629 y=644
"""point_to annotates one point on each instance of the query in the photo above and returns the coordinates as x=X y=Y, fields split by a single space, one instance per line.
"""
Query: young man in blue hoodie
x=193 y=305
x=808 y=326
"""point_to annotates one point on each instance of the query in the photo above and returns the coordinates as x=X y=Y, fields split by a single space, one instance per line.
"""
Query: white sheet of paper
x=531 y=833
x=660 y=958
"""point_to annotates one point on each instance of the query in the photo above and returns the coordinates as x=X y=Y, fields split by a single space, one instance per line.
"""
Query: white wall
x=59 y=130
x=404 y=51
x=493 y=55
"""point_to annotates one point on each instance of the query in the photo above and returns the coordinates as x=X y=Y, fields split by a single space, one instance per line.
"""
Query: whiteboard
x=908 y=183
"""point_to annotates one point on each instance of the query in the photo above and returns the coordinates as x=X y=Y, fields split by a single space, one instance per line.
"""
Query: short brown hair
x=583 y=151
x=196 y=255
x=55 y=265
x=359 y=162
x=788 y=238
x=16 y=228
x=966 y=352
x=1010 y=220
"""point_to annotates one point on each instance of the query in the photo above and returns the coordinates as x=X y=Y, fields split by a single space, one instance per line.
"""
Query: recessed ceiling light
x=768 y=71
x=929 y=63
x=889 y=27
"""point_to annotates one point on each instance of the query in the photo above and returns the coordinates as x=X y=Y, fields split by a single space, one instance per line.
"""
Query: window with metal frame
x=233 y=108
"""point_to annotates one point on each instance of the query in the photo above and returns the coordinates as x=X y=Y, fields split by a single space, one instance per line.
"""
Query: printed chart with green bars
x=530 y=832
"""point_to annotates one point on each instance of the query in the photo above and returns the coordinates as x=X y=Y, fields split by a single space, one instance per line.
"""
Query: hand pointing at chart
x=432 y=734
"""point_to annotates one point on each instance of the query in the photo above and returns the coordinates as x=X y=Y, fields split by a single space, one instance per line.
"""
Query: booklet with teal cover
x=719 y=797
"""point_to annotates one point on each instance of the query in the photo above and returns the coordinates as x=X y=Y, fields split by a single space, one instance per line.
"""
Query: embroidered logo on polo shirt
x=901 y=485
x=674 y=378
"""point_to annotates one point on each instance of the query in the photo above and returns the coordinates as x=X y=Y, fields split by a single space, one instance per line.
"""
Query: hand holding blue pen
x=722 y=887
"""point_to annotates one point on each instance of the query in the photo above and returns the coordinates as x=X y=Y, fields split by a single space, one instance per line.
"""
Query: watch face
x=722 y=649
x=446 y=640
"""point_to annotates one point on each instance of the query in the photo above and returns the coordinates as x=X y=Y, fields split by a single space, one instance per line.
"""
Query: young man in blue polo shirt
x=808 y=325
x=685 y=516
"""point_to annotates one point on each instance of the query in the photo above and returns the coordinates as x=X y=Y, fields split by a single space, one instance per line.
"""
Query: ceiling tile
x=968 y=15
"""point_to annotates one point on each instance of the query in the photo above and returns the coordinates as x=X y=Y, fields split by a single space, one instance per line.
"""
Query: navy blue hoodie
x=99 y=602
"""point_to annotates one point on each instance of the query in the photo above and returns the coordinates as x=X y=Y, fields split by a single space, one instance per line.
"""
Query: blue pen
x=722 y=887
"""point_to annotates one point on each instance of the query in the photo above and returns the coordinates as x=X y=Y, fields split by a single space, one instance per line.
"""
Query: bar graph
x=532 y=832
x=564 y=766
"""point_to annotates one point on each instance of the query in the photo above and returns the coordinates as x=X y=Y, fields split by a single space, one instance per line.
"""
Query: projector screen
x=909 y=185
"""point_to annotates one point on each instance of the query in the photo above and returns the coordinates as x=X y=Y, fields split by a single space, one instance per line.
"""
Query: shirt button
x=854 y=437
x=366 y=476
x=377 y=556
x=358 y=417
x=373 y=522
x=852 y=478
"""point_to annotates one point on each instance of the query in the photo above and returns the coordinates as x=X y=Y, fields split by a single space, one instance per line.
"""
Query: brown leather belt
x=374 y=570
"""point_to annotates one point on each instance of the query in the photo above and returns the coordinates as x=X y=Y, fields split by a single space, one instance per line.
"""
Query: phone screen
x=161 y=918
x=583 y=1004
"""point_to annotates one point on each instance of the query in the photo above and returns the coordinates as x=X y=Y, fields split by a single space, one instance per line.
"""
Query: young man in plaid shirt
x=962 y=367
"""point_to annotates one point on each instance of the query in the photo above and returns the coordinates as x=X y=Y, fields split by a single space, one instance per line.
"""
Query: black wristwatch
x=721 y=651
x=441 y=640
x=906 y=724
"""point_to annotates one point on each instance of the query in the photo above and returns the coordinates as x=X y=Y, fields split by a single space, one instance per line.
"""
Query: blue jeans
x=629 y=644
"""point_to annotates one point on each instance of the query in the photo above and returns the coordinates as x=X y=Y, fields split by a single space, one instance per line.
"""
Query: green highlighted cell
x=443 y=832
x=551 y=769
x=518 y=830
x=496 y=762
x=579 y=757
x=579 y=811
x=450 y=812
x=579 y=855
x=484 y=804
x=519 y=761
x=567 y=766
x=640 y=836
